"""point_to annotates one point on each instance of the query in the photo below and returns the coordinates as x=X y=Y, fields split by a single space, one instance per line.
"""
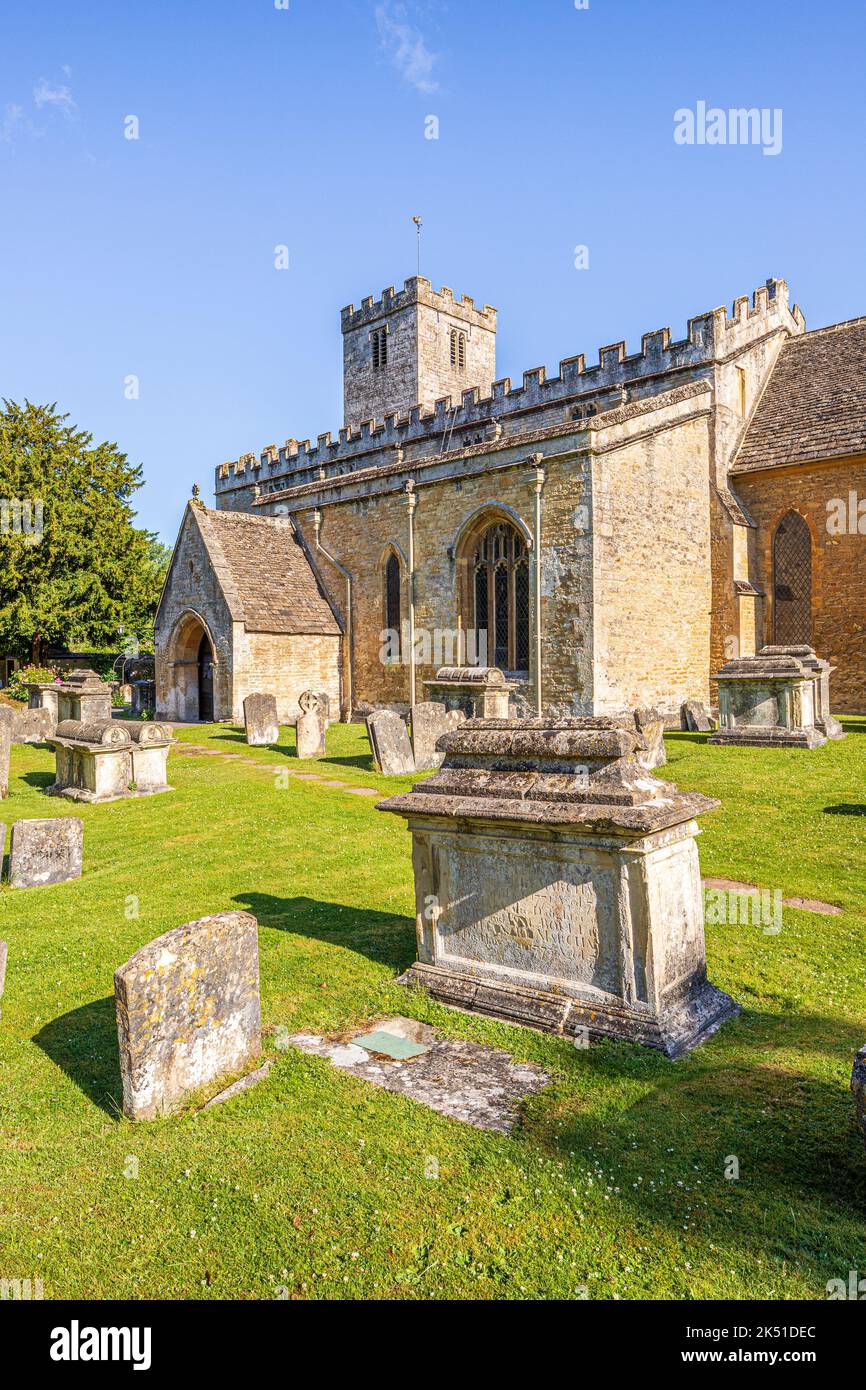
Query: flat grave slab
x=479 y=1085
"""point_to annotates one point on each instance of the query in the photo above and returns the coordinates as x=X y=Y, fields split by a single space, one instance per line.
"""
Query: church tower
x=414 y=346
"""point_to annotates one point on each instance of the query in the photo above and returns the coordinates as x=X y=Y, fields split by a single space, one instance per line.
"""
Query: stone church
x=608 y=536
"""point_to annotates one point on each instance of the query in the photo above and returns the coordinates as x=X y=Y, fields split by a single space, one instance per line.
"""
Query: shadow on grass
x=845 y=808
x=680 y=736
x=792 y=1133
x=83 y=1043
x=39 y=779
x=386 y=939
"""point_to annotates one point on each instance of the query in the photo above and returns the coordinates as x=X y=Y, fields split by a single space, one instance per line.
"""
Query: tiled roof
x=265 y=575
x=814 y=406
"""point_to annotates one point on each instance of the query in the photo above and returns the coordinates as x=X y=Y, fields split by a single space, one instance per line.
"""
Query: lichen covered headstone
x=46 y=851
x=188 y=1011
x=310 y=726
x=260 y=720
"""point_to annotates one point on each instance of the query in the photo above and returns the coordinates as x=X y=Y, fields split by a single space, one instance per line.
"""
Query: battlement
x=577 y=392
x=417 y=290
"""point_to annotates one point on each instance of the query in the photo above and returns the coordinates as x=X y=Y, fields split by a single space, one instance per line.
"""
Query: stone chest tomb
x=105 y=760
x=557 y=884
x=778 y=698
x=480 y=692
x=82 y=696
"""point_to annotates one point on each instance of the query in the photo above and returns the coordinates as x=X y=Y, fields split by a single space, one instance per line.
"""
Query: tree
x=73 y=567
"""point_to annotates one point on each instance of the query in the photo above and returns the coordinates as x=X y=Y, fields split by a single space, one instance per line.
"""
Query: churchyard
x=736 y=1171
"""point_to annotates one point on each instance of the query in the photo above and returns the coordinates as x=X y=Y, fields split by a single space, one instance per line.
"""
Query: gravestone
x=650 y=725
x=325 y=702
x=429 y=720
x=46 y=851
x=695 y=717
x=310 y=726
x=93 y=761
x=557 y=884
x=858 y=1088
x=28 y=725
x=5 y=751
x=188 y=1011
x=4 y=955
x=389 y=741
x=260 y=720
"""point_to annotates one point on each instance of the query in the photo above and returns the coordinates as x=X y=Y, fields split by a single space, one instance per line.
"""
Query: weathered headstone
x=28 y=725
x=695 y=717
x=429 y=720
x=46 y=851
x=5 y=750
x=651 y=726
x=325 y=702
x=389 y=741
x=4 y=955
x=260 y=720
x=310 y=726
x=188 y=1011
x=858 y=1087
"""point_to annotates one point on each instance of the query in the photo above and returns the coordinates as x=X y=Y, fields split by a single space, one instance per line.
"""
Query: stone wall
x=284 y=666
x=838 y=564
x=653 y=592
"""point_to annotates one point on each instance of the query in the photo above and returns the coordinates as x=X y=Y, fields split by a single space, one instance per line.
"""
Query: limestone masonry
x=609 y=536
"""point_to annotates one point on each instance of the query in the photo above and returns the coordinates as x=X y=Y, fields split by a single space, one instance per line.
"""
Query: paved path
x=198 y=750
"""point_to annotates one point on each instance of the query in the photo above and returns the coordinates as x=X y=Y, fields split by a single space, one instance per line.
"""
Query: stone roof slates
x=814 y=405
x=272 y=577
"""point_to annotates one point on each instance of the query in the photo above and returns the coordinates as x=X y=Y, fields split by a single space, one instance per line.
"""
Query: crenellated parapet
x=416 y=290
x=576 y=392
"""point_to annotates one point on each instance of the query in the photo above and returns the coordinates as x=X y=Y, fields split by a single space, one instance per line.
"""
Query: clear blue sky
x=305 y=126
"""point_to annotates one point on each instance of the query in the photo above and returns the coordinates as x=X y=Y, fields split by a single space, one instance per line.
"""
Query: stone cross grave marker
x=188 y=1011
x=46 y=851
x=260 y=720
x=310 y=726
x=429 y=720
x=389 y=740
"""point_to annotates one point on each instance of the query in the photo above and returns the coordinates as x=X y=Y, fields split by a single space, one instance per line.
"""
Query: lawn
x=312 y=1184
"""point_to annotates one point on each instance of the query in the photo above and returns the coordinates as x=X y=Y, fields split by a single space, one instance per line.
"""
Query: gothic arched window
x=792 y=582
x=500 y=587
x=392 y=595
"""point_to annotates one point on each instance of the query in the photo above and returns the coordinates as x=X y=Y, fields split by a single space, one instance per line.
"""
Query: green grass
x=313 y=1183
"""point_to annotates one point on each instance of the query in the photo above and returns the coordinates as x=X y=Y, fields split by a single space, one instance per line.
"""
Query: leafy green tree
x=73 y=566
